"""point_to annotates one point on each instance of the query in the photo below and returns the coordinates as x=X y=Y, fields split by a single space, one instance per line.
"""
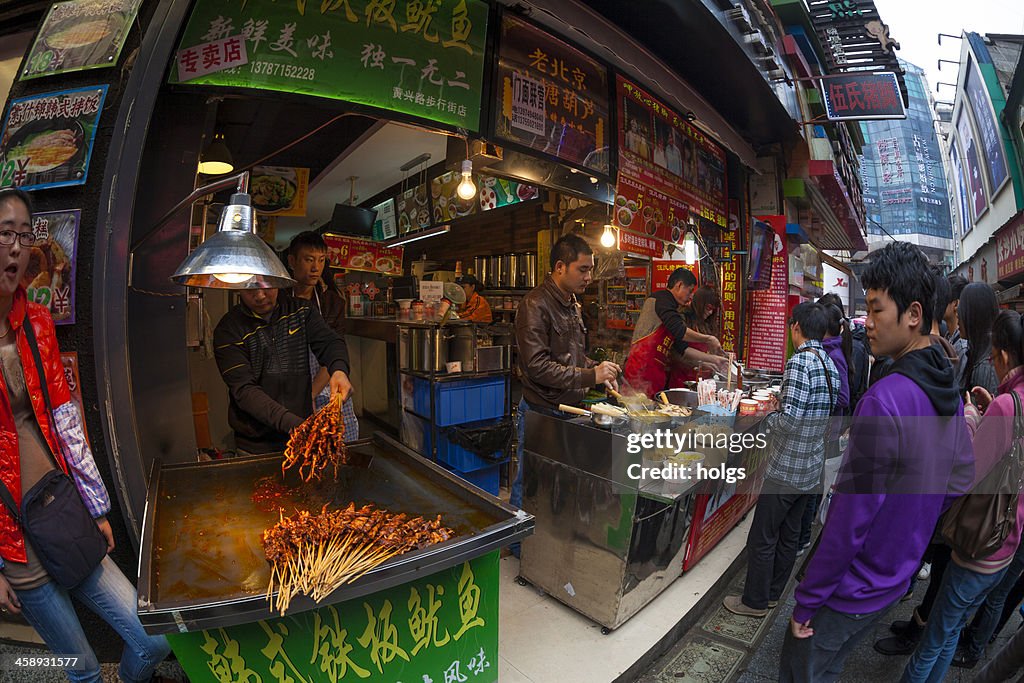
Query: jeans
x=516 y=494
x=988 y=617
x=771 y=543
x=822 y=656
x=111 y=596
x=961 y=590
x=807 y=521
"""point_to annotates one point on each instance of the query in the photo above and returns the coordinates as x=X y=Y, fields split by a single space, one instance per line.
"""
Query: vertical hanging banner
x=47 y=139
x=972 y=161
x=79 y=35
x=668 y=169
x=424 y=59
x=551 y=97
x=984 y=116
x=731 y=296
x=768 y=311
x=49 y=279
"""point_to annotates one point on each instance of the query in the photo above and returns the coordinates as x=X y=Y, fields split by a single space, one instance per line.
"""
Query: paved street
x=723 y=647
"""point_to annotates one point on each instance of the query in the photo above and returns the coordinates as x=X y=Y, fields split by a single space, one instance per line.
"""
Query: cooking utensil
x=633 y=402
x=597 y=418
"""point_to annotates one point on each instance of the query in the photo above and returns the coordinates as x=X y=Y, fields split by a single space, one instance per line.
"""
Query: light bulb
x=466 y=189
x=690 y=249
x=232 y=278
x=608 y=237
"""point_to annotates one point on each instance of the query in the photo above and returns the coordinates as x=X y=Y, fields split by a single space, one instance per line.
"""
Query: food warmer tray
x=202 y=564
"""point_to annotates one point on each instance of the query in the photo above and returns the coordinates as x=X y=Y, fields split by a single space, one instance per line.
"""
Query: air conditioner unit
x=756 y=41
x=739 y=16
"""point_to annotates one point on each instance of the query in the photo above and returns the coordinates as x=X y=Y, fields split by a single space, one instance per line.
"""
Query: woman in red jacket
x=35 y=442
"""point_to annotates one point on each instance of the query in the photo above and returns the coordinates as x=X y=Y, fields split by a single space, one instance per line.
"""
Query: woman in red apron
x=704 y=317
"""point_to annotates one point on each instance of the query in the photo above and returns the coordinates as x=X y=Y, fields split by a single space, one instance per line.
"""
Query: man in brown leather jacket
x=551 y=338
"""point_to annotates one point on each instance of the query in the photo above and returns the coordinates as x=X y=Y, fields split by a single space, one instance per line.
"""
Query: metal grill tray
x=202 y=563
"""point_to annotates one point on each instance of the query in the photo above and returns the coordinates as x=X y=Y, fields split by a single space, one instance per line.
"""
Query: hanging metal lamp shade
x=234 y=257
x=216 y=159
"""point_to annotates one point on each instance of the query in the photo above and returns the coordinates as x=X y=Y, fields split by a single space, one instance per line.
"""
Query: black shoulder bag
x=53 y=515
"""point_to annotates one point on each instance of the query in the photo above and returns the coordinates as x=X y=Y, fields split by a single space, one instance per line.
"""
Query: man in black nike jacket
x=262 y=350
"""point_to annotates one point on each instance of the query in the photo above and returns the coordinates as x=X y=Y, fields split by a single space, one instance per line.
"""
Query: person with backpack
x=796 y=455
x=838 y=344
x=976 y=569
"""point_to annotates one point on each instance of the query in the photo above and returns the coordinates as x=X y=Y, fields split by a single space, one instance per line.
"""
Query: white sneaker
x=924 y=572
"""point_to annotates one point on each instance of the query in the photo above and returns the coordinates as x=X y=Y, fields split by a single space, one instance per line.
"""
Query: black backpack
x=859 y=365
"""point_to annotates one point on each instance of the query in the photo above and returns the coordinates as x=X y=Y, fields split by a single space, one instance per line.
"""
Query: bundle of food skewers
x=316 y=554
x=708 y=393
x=317 y=443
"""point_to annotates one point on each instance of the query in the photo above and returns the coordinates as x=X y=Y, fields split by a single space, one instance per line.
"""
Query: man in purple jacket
x=909 y=456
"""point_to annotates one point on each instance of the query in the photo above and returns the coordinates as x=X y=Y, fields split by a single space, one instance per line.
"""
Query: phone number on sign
x=19 y=662
x=301 y=73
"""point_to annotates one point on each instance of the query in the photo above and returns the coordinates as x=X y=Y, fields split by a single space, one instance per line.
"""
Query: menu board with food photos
x=498 y=192
x=414 y=209
x=50 y=277
x=79 y=35
x=279 y=190
x=659 y=149
x=47 y=139
x=354 y=253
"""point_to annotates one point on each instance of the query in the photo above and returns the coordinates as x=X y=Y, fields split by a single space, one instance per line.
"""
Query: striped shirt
x=797 y=430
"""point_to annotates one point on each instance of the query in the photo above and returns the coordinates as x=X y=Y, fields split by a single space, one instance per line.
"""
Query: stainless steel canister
x=505 y=271
x=494 y=271
x=428 y=349
x=515 y=269
x=528 y=270
x=481 y=269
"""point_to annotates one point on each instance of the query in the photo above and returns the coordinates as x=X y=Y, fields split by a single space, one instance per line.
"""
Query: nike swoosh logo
x=290 y=332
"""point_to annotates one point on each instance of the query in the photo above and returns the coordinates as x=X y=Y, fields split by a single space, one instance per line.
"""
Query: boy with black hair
x=952 y=320
x=307 y=261
x=902 y=441
x=810 y=389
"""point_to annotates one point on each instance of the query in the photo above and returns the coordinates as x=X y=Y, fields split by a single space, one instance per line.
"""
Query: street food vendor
x=307 y=261
x=476 y=308
x=705 y=307
x=661 y=329
x=262 y=350
x=552 y=339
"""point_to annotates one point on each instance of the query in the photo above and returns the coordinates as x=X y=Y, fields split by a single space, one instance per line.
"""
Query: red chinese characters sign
x=853 y=97
x=1010 y=249
x=639 y=244
x=208 y=58
x=766 y=348
x=551 y=97
x=353 y=253
x=659 y=149
x=731 y=296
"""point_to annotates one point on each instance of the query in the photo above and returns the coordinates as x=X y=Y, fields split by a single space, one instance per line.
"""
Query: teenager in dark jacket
x=262 y=349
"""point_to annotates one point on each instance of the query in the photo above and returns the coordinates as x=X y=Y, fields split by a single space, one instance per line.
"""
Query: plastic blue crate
x=486 y=478
x=460 y=401
x=452 y=455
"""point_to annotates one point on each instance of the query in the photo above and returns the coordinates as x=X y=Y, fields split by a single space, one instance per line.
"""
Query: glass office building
x=904 y=185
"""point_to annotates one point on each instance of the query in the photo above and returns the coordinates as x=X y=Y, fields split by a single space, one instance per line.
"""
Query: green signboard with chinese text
x=439 y=629
x=424 y=58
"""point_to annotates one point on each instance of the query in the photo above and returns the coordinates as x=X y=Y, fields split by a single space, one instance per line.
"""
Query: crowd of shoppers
x=936 y=437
